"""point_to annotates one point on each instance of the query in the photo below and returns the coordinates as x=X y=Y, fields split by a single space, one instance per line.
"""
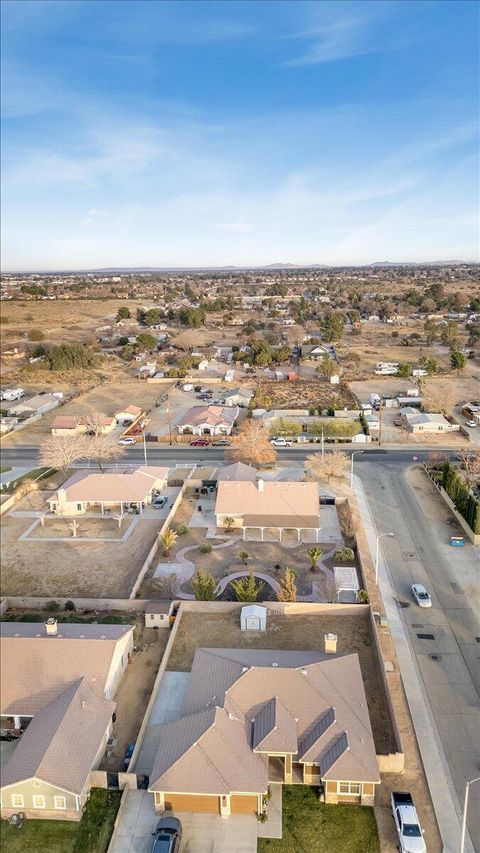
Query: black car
x=167 y=835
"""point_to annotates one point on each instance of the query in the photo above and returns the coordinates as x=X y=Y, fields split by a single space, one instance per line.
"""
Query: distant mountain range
x=232 y=268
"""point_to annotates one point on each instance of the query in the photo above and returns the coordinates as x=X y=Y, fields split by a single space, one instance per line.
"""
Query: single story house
x=276 y=716
x=424 y=422
x=38 y=405
x=237 y=472
x=58 y=683
x=314 y=351
x=208 y=420
x=85 y=490
x=78 y=424
x=130 y=414
x=265 y=505
x=239 y=397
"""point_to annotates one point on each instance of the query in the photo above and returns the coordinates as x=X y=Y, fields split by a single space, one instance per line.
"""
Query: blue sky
x=210 y=133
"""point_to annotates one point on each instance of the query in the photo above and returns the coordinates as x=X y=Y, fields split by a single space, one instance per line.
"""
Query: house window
x=38 y=801
x=17 y=801
x=60 y=802
x=349 y=788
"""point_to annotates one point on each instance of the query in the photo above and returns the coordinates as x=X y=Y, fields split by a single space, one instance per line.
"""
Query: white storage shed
x=253 y=617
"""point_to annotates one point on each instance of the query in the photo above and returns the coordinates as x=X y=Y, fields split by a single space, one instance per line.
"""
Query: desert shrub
x=52 y=606
x=182 y=530
x=69 y=605
x=344 y=555
x=363 y=596
x=205 y=549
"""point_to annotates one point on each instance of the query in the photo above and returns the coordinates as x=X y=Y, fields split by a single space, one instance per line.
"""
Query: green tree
x=404 y=369
x=244 y=557
x=431 y=365
x=204 y=585
x=123 y=313
x=457 y=361
x=229 y=522
x=327 y=367
x=333 y=326
x=430 y=330
x=288 y=586
x=246 y=589
x=146 y=341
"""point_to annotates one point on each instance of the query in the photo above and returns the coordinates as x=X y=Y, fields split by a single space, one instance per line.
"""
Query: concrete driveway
x=208 y=833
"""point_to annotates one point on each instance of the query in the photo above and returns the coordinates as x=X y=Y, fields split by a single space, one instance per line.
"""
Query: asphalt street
x=444 y=640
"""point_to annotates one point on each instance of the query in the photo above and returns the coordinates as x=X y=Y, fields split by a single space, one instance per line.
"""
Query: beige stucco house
x=251 y=717
x=58 y=683
x=265 y=505
x=78 y=425
x=208 y=420
x=85 y=490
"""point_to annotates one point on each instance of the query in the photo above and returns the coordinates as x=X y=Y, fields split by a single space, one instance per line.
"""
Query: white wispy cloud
x=342 y=30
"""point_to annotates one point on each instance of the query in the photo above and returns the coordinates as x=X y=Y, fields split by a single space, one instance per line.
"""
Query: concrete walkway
x=167 y=707
x=272 y=828
x=440 y=783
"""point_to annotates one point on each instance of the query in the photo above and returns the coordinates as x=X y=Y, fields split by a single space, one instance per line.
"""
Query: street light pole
x=351 y=466
x=167 y=411
x=392 y=536
x=323 y=447
x=464 y=818
x=144 y=447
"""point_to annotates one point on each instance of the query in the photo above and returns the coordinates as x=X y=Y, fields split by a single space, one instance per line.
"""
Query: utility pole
x=380 y=415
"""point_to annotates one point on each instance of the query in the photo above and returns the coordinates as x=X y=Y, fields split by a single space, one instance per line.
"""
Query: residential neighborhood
x=240 y=427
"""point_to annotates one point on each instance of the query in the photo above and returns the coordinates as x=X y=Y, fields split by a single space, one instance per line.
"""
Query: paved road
x=22 y=455
x=420 y=553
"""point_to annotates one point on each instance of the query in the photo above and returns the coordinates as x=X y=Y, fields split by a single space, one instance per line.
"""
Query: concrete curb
x=444 y=798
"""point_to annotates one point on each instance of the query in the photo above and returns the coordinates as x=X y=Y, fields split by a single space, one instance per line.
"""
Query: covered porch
x=281 y=524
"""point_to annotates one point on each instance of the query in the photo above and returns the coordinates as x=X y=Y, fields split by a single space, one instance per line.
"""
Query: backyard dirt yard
x=86 y=528
x=134 y=692
x=302 y=393
x=300 y=632
x=89 y=569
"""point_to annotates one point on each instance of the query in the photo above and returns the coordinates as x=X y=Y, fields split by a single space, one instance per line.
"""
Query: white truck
x=375 y=401
x=280 y=442
x=409 y=831
x=12 y=394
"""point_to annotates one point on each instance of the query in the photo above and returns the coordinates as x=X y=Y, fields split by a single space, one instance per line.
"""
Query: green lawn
x=91 y=835
x=313 y=827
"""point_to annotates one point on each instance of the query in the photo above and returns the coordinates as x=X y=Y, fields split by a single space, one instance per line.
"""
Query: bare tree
x=61 y=451
x=470 y=467
x=169 y=585
x=332 y=465
x=253 y=444
x=102 y=449
x=95 y=422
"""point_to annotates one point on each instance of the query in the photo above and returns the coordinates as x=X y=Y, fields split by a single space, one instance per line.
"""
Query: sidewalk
x=445 y=802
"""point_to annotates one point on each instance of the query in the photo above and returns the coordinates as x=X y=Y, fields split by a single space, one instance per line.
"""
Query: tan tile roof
x=62 y=741
x=112 y=487
x=72 y=421
x=36 y=667
x=303 y=702
x=272 y=499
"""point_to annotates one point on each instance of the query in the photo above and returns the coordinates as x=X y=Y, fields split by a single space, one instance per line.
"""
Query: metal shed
x=253 y=618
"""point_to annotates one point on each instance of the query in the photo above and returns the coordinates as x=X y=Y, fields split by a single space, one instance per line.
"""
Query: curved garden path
x=189 y=570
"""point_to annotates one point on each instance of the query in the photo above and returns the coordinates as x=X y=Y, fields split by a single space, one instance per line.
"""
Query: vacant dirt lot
x=60 y=320
x=302 y=393
x=87 y=528
x=91 y=569
x=302 y=632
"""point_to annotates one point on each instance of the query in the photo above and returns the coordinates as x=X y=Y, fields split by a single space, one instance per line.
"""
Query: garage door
x=243 y=804
x=192 y=803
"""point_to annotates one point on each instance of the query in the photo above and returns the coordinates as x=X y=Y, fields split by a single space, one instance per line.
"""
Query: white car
x=127 y=441
x=471 y=424
x=280 y=442
x=421 y=595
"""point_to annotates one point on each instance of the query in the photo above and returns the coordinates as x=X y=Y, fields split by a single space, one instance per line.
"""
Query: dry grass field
x=302 y=393
x=65 y=321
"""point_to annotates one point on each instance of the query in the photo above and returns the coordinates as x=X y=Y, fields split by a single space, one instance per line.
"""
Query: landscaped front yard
x=91 y=835
x=313 y=827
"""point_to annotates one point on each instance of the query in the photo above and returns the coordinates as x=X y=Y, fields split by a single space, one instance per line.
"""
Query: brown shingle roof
x=278 y=701
x=61 y=742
